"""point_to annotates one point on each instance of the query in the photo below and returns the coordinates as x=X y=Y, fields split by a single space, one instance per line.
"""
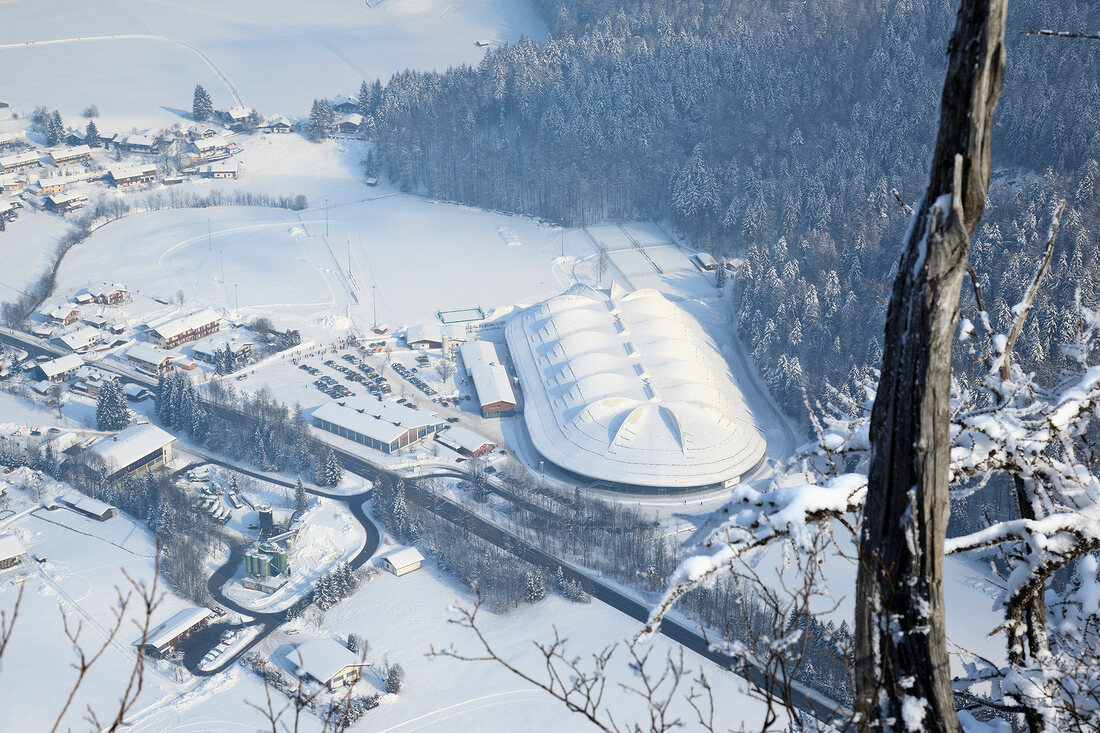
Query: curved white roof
x=628 y=388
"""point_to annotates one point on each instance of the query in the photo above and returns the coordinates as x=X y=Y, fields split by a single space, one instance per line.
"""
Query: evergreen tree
x=202 y=107
x=55 y=129
x=91 y=135
x=300 y=502
x=111 y=411
x=534 y=586
x=331 y=473
x=321 y=118
x=395 y=677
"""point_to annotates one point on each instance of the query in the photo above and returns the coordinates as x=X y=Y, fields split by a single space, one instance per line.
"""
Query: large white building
x=383 y=425
x=138 y=448
x=625 y=389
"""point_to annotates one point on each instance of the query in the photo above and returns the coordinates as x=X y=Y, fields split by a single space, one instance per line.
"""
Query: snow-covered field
x=139 y=61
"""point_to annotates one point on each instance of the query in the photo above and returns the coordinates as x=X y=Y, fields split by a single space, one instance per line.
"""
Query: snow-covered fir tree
x=111 y=410
x=202 y=107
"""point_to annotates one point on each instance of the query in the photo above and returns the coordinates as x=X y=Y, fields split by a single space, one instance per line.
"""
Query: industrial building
x=267 y=566
x=625 y=391
x=164 y=637
x=493 y=385
x=383 y=425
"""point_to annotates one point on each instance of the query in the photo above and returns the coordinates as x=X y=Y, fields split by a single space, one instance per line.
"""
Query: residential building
x=348 y=124
x=79 y=340
x=327 y=662
x=281 y=125
x=220 y=171
x=63 y=314
x=61 y=368
x=70 y=156
x=124 y=176
x=135 y=450
x=138 y=143
x=64 y=203
x=108 y=294
x=19 y=161
x=383 y=425
x=187 y=328
x=11 y=551
x=11 y=139
x=206 y=350
x=149 y=359
x=10 y=182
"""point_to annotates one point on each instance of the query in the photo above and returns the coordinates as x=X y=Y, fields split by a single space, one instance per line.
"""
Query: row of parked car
x=410 y=374
x=227 y=639
x=369 y=377
x=331 y=387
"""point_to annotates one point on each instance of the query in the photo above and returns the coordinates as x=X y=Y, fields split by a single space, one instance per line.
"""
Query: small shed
x=92 y=508
x=326 y=661
x=403 y=561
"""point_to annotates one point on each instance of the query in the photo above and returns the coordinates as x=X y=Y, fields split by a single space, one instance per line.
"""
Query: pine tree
x=321 y=118
x=91 y=135
x=395 y=677
x=111 y=411
x=331 y=472
x=299 y=497
x=55 y=129
x=202 y=107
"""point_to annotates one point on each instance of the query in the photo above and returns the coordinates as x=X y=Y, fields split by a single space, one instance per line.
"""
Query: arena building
x=626 y=392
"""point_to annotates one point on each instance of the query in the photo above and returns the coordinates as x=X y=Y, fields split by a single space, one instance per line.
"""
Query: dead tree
x=903 y=678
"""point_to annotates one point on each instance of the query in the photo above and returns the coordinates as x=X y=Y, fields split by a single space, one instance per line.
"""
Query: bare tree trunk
x=903 y=678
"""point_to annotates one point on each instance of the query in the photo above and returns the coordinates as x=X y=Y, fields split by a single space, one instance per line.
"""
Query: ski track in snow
x=139 y=37
x=428 y=720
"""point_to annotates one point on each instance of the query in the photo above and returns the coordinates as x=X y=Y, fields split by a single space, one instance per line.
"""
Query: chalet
x=344 y=104
x=11 y=139
x=95 y=509
x=238 y=115
x=90 y=380
x=52 y=184
x=383 y=425
x=327 y=662
x=96 y=320
x=403 y=561
x=138 y=143
x=8 y=212
x=422 y=336
x=495 y=393
x=73 y=138
x=64 y=315
x=187 y=328
x=19 y=162
x=12 y=182
x=466 y=442
x=280 y=125
x=79 y=154
x=80 y=340
x=137 y=393
x=60 y=369
x=208 y=148
x=222 y=170
x=108 y=294
x=348 y=124
x=123 y=176
x=206 y=351
x=147 y=358
x=137 y=449
x=11 y=551
x=163 y=638
x=64 y=203
x=199 y=133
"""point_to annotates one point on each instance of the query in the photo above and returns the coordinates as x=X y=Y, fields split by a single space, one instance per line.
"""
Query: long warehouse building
x=626 y=391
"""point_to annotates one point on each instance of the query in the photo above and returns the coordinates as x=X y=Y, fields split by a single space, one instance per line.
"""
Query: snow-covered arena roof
x=627 y=388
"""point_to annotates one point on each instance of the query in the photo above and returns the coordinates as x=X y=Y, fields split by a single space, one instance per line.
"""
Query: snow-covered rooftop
x=626 y=387
x=10 y=547
x=145 y=353
x=322 y=659
x=423 y=332
x=81 y=338
x=131 y=444
x=174 y=626
x=385 y=420
x=174 y=328
x=464 y=438
x=85 y=503
x=491 y=380
x=403 y=558
x=63 y=364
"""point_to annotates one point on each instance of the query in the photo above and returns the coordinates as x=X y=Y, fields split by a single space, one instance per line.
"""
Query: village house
x=123 y=176
x=19 y=162
x=138 y=143
x=64 y=203
x=327 y=662
x=149 y=359
x=59 y=369
x=348 y=124
x=52 y=184
x=64 y=315
x=344 y=104
x=11 y=139
x=79 y=154
x=280 y=125
x=421 y=336
x=222 y=170
x=108 y=294
x=11 y=551
x=80 y=340
x=12 y=182
x=208 y=148
x=187 y=328
x=90 y=380
x=207 y=350
x=8 y=211
x=238 y=115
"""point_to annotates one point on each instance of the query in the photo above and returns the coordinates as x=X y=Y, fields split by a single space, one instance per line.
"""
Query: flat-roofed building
x=383 y=425
x=465 y=441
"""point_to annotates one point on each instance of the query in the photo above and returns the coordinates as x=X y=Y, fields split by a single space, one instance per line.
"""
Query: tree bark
x=903 y=676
